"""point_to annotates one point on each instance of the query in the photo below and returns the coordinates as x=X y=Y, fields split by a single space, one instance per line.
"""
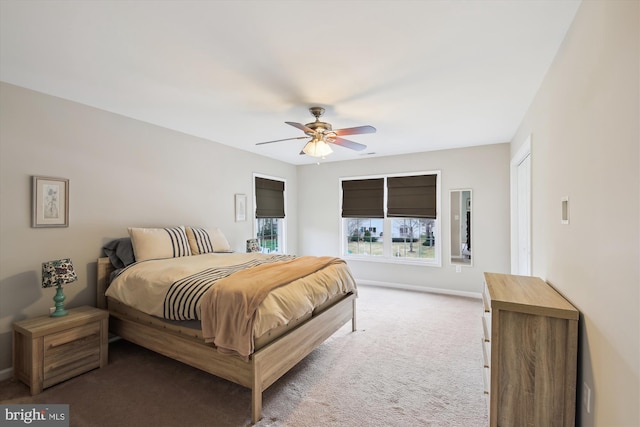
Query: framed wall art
x=50 y=202
x=241 y=207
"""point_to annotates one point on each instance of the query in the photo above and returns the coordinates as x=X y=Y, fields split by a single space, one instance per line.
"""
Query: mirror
x=460 y=221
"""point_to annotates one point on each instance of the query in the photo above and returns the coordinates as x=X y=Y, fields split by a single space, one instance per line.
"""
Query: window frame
x=387 y=256
x=282 y=234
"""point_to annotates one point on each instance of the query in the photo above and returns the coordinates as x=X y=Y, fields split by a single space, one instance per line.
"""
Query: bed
x=276 y=345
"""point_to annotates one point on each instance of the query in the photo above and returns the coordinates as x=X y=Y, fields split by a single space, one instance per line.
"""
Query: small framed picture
x=241 y=207
x=50 y=202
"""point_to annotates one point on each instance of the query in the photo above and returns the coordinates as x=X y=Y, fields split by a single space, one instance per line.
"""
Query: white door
x=524 y=216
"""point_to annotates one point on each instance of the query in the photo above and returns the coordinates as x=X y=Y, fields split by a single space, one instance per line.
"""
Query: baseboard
x=5 y=374
x=406 y=287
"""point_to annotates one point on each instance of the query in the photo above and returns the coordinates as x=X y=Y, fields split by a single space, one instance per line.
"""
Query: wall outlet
x=586 y=397
x=458 y=269
x=51 y=310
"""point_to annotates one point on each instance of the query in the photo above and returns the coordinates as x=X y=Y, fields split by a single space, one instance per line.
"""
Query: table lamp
x=253 y=245
x=58 y=273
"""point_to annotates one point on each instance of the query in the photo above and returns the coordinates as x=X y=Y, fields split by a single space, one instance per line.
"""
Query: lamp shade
x=59 y=272
x=317 y=148
x=253 y=245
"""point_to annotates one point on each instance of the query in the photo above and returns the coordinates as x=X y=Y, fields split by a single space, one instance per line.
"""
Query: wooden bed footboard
x=264 y=367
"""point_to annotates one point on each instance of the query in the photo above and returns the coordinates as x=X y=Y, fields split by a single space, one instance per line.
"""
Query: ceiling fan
x=322 y=134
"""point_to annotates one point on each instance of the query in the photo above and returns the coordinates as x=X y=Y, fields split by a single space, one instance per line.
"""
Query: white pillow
x=207 y=240
x=154 y=243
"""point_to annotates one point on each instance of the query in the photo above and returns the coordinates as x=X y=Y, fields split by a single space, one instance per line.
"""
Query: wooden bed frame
x=264 y=367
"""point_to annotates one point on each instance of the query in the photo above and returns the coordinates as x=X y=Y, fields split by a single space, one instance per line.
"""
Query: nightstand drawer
x=70 y=352
x=48 y=350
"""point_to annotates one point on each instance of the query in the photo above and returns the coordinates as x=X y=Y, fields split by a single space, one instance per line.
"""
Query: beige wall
x=484 y=169
x=585 y=142
x=122 y=173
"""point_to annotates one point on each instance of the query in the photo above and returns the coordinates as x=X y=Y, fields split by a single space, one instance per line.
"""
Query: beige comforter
x=144 y=286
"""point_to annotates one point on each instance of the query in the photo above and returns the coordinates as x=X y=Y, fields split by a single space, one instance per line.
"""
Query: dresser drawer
x=486 y=339
x=486 y=326
x=486 y=353
x=487 y=380
x=485 y=299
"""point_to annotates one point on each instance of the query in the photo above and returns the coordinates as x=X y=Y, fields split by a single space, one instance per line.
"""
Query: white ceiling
x=427 y=74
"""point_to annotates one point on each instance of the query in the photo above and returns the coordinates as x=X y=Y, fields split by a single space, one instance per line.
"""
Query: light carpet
x=415 y=360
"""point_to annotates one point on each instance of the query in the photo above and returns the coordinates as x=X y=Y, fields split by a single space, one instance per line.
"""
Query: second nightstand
x=48 y=350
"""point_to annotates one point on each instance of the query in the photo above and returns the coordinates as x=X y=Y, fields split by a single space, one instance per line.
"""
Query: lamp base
x=59 y=303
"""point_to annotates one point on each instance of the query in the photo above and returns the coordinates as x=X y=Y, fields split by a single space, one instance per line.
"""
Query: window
x=392 y=218
x=270 y=213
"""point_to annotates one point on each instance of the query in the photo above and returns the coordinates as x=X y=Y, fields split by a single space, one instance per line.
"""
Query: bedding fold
x=228 y=309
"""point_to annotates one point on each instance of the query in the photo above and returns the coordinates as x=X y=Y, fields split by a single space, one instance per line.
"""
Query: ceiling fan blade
x=301 y=127
x=355 y=131
x=348 y=144
x=285 y=139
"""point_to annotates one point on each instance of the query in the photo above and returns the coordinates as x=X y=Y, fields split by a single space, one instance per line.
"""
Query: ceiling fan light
x=317 y=148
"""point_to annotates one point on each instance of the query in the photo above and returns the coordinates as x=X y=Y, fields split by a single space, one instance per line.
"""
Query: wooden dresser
x=530 y=352
x=48 y=350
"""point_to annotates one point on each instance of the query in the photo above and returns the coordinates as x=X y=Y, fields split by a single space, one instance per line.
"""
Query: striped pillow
x=154 y=243
x=207 y=240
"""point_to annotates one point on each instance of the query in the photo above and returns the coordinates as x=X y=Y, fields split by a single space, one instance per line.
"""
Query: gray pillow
x=120 y=252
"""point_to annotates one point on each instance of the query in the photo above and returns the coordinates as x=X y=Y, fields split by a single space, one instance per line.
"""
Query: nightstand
x=48 y=350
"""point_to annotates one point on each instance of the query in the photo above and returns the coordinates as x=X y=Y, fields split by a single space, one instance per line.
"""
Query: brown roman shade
x=363 y=198
x=269 y=198
x=412 y=196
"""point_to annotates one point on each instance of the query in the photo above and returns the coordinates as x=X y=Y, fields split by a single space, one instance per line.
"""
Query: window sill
x=378 y=259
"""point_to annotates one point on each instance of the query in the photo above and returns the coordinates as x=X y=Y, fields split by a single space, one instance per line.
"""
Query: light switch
x=565 y=210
